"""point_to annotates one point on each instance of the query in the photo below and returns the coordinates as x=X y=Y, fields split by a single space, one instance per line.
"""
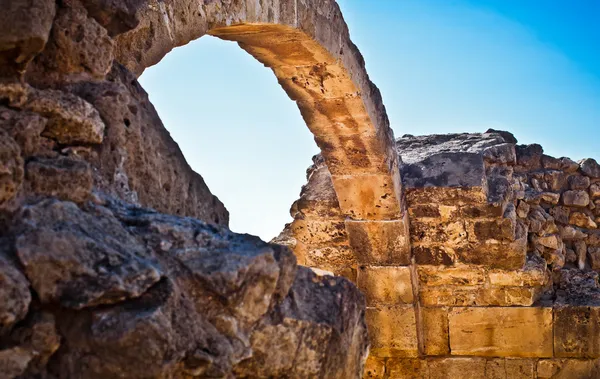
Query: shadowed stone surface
x=205 y=302
x=94 y=285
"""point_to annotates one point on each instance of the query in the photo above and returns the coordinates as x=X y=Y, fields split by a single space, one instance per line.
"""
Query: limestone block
x=445 y=195
x=393 y=331
x=24 y=30
x=479 y=296
x=550 y=197
x=460 y=275
x=509 y=296
x=367 y=196
x=374 y=368
x=386 y=285
x=435 y=331
x=64 y=178
x=380 y=242
x=501 y=332
x=529 y=156
x=314 y=232
x=533 y=274
x=500 y=229
x=81 y=47
x=357 y=154
x=71 y=120
x=483 y=210
x=435 y=232
x=570 y=233
x=424 y=211
x=433 y=254
x=11 y=167
x=523 y=209
x=496 y=254
x=330 y=257
x=519 y=368
x=577 y=332
x=464 y=368
x=448 y=296
x=510 y=369
x=399 y=368
x=593 y=238
x=568 y=369
x=455 y=169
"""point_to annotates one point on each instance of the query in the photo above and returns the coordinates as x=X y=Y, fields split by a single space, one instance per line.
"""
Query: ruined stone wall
x=502 y=280
x=96 y=284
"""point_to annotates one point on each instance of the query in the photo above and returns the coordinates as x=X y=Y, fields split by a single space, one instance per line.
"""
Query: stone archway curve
x=307 y=45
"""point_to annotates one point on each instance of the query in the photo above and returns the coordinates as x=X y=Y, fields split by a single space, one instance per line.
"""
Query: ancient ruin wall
x=94 y=283
x=502 y=280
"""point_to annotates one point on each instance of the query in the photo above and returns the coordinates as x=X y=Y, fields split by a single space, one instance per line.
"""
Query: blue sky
x=528 y=66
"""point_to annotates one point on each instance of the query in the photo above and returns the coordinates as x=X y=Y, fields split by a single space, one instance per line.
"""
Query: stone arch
x=307 y=45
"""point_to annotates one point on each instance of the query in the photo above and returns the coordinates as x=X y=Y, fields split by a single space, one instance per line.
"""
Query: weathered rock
x=115 y=16
x=576 y=198
x=590 y=168
x=24 y=29
x=11 y=167
x=26 y=129
x=206 y=302
x=71 y=120
x=79 y=48
x=79 y=260
x=529 y=156
x=595 y=191
x=578 y=182
x=14 y=291
x=64 y=178
x=517 y=332
x=582 y=220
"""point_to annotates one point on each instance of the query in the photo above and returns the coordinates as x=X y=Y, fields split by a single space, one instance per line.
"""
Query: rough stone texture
x=206 y=302
x=11 y=167
x=501 y=332
x=469 y=245
x=95 y=285
x=71 y=120
x=14 y=291
x=24 y=29
x=495 y=228
x=393 y=331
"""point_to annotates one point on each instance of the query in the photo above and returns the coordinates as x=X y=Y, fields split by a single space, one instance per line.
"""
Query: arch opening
x=236 y=128
x=306 y=44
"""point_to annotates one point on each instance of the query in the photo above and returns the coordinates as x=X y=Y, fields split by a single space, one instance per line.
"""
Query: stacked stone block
x=500 y=281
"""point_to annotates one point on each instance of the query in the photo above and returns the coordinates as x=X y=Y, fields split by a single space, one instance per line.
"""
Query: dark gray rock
x=14 y=291
x=62 y=177
x=116 y=16
x=590 y=168
x=529 y=156
x=140 y=294
x=79 y=259
x=11 y=167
